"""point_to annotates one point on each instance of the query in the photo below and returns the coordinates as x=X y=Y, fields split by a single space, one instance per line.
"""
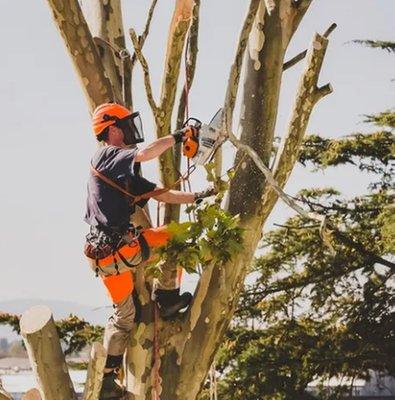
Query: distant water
x=20 y=383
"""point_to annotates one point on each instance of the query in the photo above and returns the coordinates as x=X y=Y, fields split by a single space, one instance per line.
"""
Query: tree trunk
x=94 y=376
x=46 y=356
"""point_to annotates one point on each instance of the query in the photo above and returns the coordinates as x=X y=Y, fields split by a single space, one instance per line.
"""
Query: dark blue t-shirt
x=107 y=207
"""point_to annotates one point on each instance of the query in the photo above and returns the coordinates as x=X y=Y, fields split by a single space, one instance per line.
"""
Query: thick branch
x=147 y=78
x=78 y=39
x=299 y=57
x=301 y=7
x=94 y=377
x=235 y=71
x=105 y=22
x=307 y=96
x=179 y=26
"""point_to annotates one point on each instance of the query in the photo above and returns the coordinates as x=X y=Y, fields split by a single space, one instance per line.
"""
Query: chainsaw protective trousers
x=120 y=288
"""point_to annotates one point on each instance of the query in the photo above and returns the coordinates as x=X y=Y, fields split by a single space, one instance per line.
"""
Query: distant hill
x=60 y=309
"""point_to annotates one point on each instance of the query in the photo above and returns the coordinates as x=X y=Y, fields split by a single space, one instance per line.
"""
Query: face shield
x=132 y=128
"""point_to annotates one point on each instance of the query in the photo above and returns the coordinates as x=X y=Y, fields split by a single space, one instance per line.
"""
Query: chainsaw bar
x=208 y=138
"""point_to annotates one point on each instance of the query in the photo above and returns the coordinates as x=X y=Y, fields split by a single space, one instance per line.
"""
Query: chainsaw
x=202 y=140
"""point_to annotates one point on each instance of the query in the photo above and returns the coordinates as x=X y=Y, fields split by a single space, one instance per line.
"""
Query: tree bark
x=175 y=44
x=32 y=394
x=104 y=19
x=94 y=377
x=79 y=42
x=46 y=356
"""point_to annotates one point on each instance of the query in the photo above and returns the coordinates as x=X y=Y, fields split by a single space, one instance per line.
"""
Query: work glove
x=181 y=135
x=199 y=196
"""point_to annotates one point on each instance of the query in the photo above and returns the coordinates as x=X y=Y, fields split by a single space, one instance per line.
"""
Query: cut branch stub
x=45 y=353
x=79 y=42
x=94 y=377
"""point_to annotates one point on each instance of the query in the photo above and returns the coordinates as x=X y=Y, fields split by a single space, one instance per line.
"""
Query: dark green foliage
x=385 y=118
x=373 y=153
x=310 y=314
x=77 y=333
x=211 y=235
x=378 y=44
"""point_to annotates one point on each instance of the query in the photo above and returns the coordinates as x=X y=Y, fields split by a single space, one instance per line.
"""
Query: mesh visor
x=132 y=128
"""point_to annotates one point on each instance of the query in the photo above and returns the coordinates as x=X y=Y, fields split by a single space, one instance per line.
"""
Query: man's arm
x=155 y=149
x=176 y=197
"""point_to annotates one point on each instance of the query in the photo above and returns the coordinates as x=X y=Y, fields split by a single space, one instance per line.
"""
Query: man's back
x=107 y=207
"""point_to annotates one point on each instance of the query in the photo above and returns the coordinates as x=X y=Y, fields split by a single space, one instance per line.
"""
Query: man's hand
x=181 y=135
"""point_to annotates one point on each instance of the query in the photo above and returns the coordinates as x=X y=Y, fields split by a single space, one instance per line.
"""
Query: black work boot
x=110 y=389
x=170 y=302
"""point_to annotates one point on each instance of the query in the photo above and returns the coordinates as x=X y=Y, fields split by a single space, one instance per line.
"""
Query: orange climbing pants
x=120 y=286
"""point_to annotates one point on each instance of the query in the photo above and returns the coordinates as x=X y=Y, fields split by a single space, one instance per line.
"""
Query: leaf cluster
x=214 y=236
x=372 y=153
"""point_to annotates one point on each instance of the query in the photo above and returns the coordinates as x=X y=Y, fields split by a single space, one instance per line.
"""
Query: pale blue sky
x=47 y=142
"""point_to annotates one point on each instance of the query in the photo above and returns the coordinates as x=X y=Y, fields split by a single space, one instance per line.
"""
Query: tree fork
x=45 y=353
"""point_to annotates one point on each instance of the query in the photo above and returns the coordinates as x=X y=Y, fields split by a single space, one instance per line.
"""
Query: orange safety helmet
x=106 y=115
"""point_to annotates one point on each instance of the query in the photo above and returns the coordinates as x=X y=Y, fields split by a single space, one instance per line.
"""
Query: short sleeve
x=139 y=185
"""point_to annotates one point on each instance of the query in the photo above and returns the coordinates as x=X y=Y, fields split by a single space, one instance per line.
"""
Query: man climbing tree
x=171 y=360
x=114 y=246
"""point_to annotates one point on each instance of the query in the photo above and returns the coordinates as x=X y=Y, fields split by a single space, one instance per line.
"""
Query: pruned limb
x=147 y=78
x=299 y=57
x=94 y=377
x=45 y=353
x=306 y=97
x=83 y=52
